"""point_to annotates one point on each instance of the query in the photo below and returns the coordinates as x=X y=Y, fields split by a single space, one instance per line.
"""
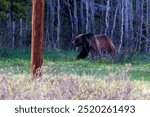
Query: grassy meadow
x=64 y=77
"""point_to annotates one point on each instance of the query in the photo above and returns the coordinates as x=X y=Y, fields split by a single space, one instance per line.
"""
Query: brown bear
x=96 y=44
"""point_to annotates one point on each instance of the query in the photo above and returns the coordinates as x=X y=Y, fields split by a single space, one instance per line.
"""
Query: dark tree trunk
x=37 y=37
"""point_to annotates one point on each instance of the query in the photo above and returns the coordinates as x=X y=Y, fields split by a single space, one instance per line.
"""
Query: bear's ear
x=89 y=35
x=79 y=36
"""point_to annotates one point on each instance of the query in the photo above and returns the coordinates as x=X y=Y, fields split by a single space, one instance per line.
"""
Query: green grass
x=18 y=62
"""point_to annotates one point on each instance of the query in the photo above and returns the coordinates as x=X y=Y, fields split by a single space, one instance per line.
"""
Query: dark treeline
x=126 y=22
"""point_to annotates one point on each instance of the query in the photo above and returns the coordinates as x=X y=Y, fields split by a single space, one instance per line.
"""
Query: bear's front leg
x=82 y=55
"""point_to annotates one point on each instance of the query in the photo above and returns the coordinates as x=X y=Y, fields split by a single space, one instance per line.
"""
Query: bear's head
x=78 y=41
x=82 y=40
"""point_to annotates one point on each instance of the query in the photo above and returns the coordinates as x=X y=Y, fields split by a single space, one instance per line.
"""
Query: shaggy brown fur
x=97 y=45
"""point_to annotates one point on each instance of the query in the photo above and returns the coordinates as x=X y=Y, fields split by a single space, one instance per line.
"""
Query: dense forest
x=126 y=22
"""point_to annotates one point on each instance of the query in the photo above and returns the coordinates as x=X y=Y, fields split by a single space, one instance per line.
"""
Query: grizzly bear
x=97 y=45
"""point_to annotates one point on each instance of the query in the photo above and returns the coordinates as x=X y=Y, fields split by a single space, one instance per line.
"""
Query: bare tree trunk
x=114 y=22
x=87 y=16
x=102 y=15
x=141 y=25
x=21 y=30
x=37 y=37
x=75 y=17
x=107 y=18
x=82 y=16
x=13 y=32
x=122 y=28
x=71 y=19
x=9 y=20
x=26 y=34
x=9 y=26
x=47 y=26
x=137 y=30
x=92 y=16
x=131 y=30
x=58 y=25
x=126 y=22
x=148 y=26
x=52 y=18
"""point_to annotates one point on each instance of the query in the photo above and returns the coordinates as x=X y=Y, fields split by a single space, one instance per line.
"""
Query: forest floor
x=64 y=77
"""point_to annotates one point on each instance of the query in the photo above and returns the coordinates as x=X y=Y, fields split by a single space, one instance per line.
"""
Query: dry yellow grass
x=70 y=87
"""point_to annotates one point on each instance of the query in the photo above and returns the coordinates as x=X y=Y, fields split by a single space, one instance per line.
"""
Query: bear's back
x=102 y=40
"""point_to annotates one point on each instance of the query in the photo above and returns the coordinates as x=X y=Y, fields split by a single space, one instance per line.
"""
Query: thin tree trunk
x=13 y=34
x=114 y=22
x=26 y=33
x=131 y=32
x=21 y=30
x=141 y=25
x=47 y=26
x=102 y=15
x=75 y=17
x=71 y=20
x=58 y=25
x=126 y=22
x=52 y=18
x=82 y=16
x=107 y=18
x=92 y=16
x=137 y=30
x=148 y=26
x=122 y=28
x=9 y=21
x=9 y=26
x=87 y=16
